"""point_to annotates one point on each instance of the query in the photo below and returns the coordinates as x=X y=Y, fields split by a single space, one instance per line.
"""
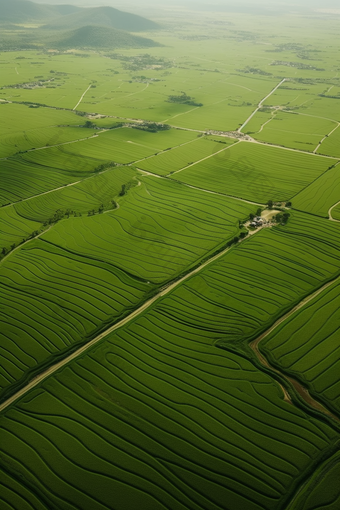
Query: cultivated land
x=161 y=348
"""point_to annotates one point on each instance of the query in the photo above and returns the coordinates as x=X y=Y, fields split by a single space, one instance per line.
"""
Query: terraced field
x=256 y=172
x=306 y=346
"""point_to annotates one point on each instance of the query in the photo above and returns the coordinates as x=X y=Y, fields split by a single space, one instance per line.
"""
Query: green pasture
x=321 y=194
x=256 y=172
x=336 y=212
x=306 y=346
x=14 y=229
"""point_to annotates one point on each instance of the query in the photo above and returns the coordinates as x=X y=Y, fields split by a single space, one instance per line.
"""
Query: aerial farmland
x=169 y=256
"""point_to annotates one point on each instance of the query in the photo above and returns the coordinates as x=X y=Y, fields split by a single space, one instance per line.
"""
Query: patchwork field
x=169 y=266
x=320 y=195
x=256 y=172
x=306 y=346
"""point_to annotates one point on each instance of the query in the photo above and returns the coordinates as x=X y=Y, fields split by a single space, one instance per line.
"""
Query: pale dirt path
x=23 y=244
x=254 y=345
x=203 y=159
x=324 y=138
x=163 y=292
x=82 y=97
x=57 y=145
x=260 y=105
x=330 y=212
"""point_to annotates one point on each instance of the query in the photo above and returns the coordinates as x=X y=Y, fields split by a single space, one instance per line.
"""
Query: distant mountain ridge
x=99 y=37
x=102 y=16
x=57 y=17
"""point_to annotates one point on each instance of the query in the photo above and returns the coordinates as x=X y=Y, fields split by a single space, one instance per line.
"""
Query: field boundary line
x=254 y=345
x=203 y=159
x=82 y=97
x=260 y=105
x=326 y=136
x=330 y=212
x=163 y=292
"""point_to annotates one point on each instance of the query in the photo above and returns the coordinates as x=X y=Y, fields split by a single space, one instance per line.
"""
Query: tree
x=270 y=204
x=288 y=204
x=259 y=211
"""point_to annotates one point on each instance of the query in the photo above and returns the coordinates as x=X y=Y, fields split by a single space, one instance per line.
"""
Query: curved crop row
x=306 y=346
x=256 y=172
x=160 y=230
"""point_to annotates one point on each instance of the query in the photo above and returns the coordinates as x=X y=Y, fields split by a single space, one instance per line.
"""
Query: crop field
x=169 y=260
x=255 y=172
x=180 y=157
x=37 y=127
x=296 y=130
x=321 y=195
x=219 y=426
x=53 y=299
x=306 y=346
x=331 y=145
x=160 y=228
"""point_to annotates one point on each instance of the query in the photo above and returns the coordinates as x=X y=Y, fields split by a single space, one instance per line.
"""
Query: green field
x=320 y=195
x=306 y=346
x=162 y=347
x=256 y=172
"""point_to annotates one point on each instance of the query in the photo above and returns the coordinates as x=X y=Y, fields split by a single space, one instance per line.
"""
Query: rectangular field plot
x=40 y=171
x=180 y=157
x=331 y=145
x=306 y=346
x=97 y=191
x=159 y=414
x=52 y=299
x=36 y=127
x=160 y=229
x=295 y=130
x=321 y=195
x=256 y=172
x=128 y=145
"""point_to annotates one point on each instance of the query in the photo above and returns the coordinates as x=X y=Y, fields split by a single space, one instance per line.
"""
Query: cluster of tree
x=236 y=239
x=101 y=208
x=282 y=218
x=59 y=215
x=183 y=99
x=152 y=127
x=104 y=166
x=126 y=187
x=258 y=213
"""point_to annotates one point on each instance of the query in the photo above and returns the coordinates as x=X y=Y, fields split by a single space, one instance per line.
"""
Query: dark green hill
x=20 y=11
x=63 y=17
x=103 y=16
x=99 y=37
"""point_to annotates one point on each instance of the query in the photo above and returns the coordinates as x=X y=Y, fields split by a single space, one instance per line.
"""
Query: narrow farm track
x=324 y=138
x=82 y=97
x=203 y=159
x=163 y=292
x=57 y=145
x=260 y=105
x=330 y=212
x=301 y=390
x=23 y=244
